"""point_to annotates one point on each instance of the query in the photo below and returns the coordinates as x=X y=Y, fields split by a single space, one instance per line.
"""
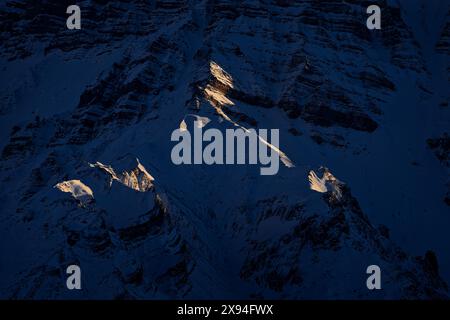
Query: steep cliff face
x=78 y=107
x=306 y=262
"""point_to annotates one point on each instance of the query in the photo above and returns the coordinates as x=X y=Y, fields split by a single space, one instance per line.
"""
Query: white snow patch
x=200 y=122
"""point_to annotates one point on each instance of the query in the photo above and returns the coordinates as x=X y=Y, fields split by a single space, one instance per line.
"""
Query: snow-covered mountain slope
x=84 y=105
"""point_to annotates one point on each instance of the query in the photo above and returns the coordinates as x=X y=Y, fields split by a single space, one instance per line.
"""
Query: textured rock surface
x=370 y=105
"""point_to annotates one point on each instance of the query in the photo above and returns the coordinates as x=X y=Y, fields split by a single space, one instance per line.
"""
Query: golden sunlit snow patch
x=328 y=182
x=78 y=189
x=138 y=178
x=217 y=97
x=315 y=183
x=221 y=75
x=216 y=92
